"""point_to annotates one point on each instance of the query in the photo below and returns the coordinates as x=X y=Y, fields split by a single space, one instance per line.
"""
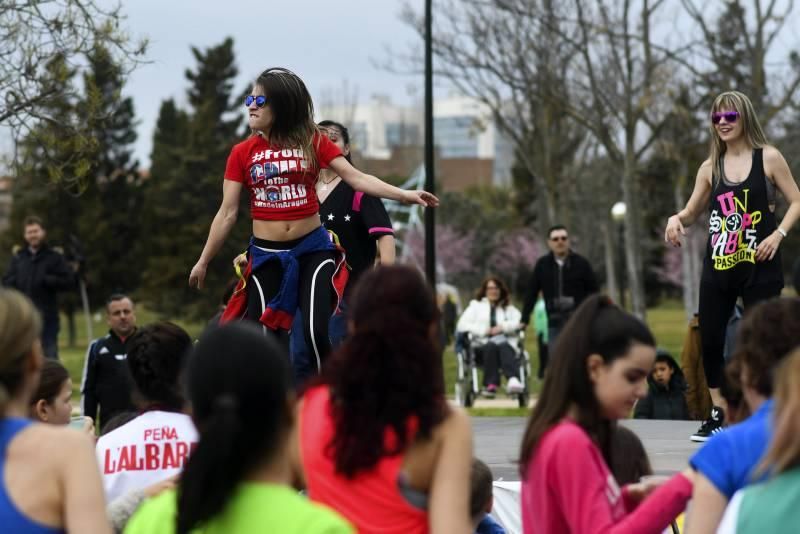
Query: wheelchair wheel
x=464 y=395
x=469 y=399
x=459 y=393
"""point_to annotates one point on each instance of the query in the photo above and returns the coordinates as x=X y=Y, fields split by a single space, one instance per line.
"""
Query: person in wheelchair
x=495 y=323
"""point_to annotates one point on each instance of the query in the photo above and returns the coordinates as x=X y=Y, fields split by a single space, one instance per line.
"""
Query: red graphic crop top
x=280 y=180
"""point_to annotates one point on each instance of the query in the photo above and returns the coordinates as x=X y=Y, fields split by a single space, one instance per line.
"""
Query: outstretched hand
x=198 y=275
x=423 y=198
x=674 y=231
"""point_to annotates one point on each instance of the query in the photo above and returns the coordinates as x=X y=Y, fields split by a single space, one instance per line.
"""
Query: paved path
x=497 y=441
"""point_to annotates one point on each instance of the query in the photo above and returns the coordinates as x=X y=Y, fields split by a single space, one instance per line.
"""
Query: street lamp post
x=430 y=236
x=618 y=211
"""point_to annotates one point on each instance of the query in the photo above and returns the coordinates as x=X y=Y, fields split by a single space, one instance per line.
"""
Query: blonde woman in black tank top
x=737 y=185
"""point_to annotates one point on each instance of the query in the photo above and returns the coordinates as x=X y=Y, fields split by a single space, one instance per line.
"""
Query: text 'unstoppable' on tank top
x=739 y=220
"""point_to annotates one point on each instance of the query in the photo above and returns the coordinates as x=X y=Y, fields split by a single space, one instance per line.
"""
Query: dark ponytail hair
x=596 y=327
x=344 y=131
x=156 y=356
x=388 y=373
x=239 y=385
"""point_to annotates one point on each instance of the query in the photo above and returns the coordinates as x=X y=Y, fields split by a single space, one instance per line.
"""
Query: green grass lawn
x=667 y=321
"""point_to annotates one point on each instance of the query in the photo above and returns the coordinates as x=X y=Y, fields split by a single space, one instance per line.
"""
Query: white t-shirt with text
x=146 y=450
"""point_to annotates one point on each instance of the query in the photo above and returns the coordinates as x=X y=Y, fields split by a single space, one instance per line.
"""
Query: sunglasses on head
x=260 y=100
x=559 y=238
x=729 y=116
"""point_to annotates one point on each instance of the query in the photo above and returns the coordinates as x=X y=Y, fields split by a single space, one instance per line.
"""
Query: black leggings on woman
x=315 y=295
x=716 y=306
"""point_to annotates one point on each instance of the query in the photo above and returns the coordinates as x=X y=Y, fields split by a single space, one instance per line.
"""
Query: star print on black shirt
x=358 y=220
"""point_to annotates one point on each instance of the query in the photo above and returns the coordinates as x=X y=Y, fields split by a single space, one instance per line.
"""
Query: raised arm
x=448 y=510
x=220 y=228
x=84 y=502
x=775 y=167
x=378 y=188
x=694 y=207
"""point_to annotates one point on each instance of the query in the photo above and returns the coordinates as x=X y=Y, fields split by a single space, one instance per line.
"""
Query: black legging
x=496 y=356
x=315 y=298
x=716 y=306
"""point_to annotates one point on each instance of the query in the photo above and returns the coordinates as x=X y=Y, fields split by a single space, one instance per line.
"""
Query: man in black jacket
x=563 y=277
x=107 y=383
x=40 y=272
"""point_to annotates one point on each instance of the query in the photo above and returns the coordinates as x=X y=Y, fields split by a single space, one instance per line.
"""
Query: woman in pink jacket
x=599 y=369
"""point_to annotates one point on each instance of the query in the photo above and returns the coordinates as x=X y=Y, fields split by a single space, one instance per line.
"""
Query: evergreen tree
x=184 y=190
x=108 y=226
x=49 y=160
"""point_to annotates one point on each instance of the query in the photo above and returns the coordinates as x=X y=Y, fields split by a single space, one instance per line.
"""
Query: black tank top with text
x=739 y=220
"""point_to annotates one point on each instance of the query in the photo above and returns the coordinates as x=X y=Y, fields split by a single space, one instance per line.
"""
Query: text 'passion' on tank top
x=739 y=220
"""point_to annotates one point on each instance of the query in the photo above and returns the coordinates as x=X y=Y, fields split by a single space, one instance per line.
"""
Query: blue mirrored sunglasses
x=260 y=100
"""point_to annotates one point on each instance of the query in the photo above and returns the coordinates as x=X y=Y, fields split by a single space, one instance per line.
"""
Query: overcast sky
x=325 y=42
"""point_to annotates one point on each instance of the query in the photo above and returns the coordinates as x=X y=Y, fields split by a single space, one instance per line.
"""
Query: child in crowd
x=52 y=402
x=629 y=461
x=597 y=372
x=238 y=479
x=731 y=390
x=481 y=500
x=666 y=398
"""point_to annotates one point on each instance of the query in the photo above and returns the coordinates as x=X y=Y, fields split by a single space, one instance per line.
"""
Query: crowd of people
x=221 y=441
x=324 y=409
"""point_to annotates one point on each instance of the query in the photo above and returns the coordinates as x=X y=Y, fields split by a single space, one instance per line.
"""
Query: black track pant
x=495 y=357
x=716 y=307
x=315 y=298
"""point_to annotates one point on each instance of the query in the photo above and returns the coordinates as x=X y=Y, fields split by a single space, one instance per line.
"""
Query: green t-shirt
x=772 y=506
x=254 y=508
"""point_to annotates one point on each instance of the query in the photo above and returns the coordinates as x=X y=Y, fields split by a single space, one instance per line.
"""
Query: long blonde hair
x=734 y=101
x=784 y=450
x=20 y=327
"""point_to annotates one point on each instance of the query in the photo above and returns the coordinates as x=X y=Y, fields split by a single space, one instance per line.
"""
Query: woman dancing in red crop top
x=292 y=262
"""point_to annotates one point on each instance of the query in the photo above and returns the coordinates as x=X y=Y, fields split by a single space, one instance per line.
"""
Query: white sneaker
x=514 y=386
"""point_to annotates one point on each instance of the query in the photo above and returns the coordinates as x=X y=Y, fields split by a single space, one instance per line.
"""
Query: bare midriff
x=285 y=230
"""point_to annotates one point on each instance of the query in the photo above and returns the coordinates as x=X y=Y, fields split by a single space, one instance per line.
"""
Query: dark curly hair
x=505 y=294
x=388 y=372
x=156 y=355
x=768 y=332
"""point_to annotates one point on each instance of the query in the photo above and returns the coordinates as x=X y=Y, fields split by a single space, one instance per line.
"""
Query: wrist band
x=782 y=231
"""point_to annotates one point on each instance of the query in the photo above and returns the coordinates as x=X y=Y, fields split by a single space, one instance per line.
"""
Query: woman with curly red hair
x=377 y=440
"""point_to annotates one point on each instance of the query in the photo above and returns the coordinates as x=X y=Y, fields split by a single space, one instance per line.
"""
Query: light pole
x=430 y=235
x=618 y=211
